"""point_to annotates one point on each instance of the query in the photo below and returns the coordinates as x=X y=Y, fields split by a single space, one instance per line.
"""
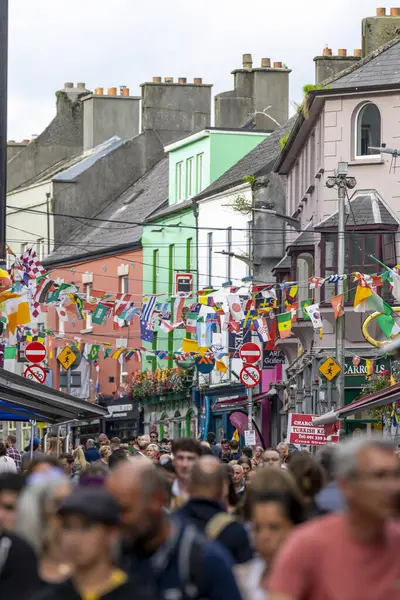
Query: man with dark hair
x=66 y=461
x=185 y=452
x=248 y=452
x=117 y=457
x=205 y=510
x=171 y=560
x=11 y=485
x=154 y=437
x=89 y=520
x=13 y=452
x=235 y=454
x=216 y=449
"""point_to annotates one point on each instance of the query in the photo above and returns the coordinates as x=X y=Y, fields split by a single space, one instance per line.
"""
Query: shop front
x=123 y=419
x=173 y=416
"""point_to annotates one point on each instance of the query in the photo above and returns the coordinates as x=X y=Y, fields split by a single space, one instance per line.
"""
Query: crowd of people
x=180 y=519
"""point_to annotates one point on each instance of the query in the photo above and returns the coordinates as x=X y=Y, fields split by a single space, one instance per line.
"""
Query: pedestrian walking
x=205 y=509
x=7 y=464
x=185 y=452
x=91 y=453
x=354 y=554
x=13 y=452
x=171 y=560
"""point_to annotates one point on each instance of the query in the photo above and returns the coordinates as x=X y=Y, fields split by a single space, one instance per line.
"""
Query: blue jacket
x=92 y=455
x=330 y=499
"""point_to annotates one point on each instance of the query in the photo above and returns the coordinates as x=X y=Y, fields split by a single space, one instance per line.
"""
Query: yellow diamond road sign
x=329 y=369
x=66 y=357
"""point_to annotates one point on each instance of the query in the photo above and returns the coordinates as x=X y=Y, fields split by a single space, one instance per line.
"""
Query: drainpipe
x=48 y=196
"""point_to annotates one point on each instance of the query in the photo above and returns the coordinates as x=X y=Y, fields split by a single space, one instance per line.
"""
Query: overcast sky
x=107 y=43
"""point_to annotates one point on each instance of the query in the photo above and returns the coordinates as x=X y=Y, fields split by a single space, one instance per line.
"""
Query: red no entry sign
x=250 y=376
x=35 y=352
x=250 y=353
x=35 y=373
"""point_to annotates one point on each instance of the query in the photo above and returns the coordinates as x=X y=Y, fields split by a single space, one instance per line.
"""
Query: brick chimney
x=379 y=30
x=255 y=88
x=175 y=110
x=328 y=65
x=106 y=115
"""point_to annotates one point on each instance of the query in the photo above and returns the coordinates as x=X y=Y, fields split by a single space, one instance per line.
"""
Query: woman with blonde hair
x=52 y=446
x=38 y=524
x=153 y=452
x=80 y=463
x=105 y=453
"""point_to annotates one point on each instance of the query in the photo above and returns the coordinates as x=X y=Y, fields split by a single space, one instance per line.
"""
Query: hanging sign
x=271 y=358
x=301 y=431
x=250 y=438
x=184 y=283
x=66 y=357
x=250 y=353
x=35 y=373
x=35 y=352
x=204 y=364
x=250 y=376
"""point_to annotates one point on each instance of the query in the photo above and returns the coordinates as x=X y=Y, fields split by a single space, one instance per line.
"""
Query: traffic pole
x=250 y=408
x=3 y=126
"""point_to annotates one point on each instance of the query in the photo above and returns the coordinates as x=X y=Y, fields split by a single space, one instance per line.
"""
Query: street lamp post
x=342 y=182
x=3 y=125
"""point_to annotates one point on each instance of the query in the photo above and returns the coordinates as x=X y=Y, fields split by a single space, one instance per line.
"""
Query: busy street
x=199 y=300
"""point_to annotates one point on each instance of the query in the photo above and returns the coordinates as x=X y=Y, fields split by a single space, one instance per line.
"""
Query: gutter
x=82 y=259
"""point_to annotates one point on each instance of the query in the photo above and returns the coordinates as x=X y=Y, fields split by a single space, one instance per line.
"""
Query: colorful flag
x=166 y=326
x=392 y=380
x=62 y=314
x=92 y=299
x=337 y=305
x=18 y=312
x=304 y=304
x=291 y=294
x=220 y=366
x=32 y=264
x=369 y=367
x=262 y=329
x=108 y=352
x=366 y=299
x=94 y=352
x=191 y=322
x=292 y=308
x=394 y=415
x=284 y=321
x=99 y=314
x=315 y=315
x=162 y=354
x=235 y=307
x=117 y=353
x=42 y=289
x=179 y=303
x=315 y=282
x=190 y=345
x=146 y=332
x=249 y=318
x=122 y=301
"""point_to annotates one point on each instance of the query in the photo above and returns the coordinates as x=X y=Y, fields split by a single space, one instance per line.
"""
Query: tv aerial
x=394 y=152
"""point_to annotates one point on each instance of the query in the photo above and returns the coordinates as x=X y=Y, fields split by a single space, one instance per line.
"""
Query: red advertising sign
x=302 y=432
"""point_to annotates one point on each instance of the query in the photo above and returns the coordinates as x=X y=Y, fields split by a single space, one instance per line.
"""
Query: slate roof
x=68 y=169
x=139 y=201
x=257 y=162
x=305 y=238
x=367 y=208
x=284 y=264
x=381 y=67
x=169 y=209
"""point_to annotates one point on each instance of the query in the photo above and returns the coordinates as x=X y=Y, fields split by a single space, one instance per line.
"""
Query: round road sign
x=250 y=376
x=250 y=353
x=35 y=373
x=35 y=352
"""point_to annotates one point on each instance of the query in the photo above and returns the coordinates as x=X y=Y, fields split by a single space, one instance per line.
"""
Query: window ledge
x=358 y=162
x=87 y=330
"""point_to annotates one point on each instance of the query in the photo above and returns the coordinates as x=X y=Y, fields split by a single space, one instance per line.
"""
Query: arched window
x=368 y=130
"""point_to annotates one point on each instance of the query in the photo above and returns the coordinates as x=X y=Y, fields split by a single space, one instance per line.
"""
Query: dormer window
x=368 y=131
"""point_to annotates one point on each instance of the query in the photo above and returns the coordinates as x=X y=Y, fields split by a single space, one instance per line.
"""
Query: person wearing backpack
x=205 y=509
x=170 y=559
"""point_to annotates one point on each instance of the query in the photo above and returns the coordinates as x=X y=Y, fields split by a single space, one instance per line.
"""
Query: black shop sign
x=271 y=358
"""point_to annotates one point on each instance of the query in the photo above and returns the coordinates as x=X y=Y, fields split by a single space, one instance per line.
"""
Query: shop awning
x=381 y=398
x=24 y=400
x=224 y=404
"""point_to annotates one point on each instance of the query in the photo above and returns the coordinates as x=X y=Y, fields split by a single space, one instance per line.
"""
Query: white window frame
x=365 y=157
x=199 y=172
x=189 y=177
x=124 y=284
x=179 y=181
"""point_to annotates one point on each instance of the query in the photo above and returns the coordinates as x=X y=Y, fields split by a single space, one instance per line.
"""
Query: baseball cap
x=94 y=503
x=165 y=450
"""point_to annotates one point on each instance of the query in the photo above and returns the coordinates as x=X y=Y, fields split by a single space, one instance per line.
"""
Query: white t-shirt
x=7 y=465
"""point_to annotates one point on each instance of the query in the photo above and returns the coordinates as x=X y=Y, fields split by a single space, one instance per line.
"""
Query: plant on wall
x=379 y=382
x=309 y=87
x=242 y=205
x=159 y=382
x=283 y=141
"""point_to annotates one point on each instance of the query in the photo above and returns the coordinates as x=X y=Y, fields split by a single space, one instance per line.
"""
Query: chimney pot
x=197 y=81
x=182 y=80
x=395 y=12
x=157 y=79
x=327 y=52
x=277 y=65
x=11 y=141
x=168 y=80
x=99 y=91
x=81 y=86
x=112 y=91
x=358 y=52
x=247 y=61
x=26 y=141
x=265 y=63
x=342 y=52
x=124 y=90
x=381 y=12
x=69 y=85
